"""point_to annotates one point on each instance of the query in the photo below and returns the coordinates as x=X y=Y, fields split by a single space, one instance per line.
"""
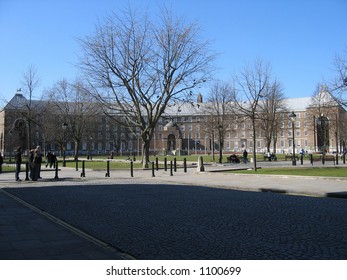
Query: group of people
x=34 y=160
x=235 y=159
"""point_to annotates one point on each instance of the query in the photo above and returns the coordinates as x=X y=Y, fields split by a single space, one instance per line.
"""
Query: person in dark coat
x=1 y=162
x=18 y=161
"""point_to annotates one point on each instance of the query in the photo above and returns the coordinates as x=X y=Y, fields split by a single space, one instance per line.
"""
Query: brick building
x=320 y=124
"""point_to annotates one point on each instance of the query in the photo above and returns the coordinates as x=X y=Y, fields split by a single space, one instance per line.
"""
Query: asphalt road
x=165 y=221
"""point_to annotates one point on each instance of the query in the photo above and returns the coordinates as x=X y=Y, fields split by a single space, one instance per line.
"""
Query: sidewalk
x=28 y=233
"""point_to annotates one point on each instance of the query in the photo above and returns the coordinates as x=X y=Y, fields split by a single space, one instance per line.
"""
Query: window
x=258 y=144
x=282 y=144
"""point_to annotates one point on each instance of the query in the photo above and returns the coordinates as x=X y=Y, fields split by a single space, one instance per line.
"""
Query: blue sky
x=299 y=38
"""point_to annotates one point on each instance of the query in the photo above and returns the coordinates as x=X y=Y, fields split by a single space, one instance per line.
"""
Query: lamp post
x=220 y=127
x=292 y=117
x=10 y=133
x=90 y=147
x=64 y=126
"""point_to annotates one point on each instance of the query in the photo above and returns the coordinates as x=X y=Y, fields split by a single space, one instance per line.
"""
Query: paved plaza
x=193 y=215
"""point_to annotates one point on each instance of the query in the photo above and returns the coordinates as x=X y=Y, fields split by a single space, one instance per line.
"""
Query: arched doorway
x=171 y=142
x=323 y=134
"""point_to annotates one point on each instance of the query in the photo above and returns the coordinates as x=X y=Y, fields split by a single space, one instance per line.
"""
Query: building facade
x=183 y=129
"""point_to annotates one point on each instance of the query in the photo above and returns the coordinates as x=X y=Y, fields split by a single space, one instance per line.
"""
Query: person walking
x=18 y=161
x=1 y=162
x=245 y=155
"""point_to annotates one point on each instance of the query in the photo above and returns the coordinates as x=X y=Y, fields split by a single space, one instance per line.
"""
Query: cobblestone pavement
x=173 y=221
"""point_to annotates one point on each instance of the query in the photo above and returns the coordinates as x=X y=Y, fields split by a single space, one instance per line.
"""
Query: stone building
x=320 y=125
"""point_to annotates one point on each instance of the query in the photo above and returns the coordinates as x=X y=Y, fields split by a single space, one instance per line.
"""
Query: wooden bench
x=291 y=157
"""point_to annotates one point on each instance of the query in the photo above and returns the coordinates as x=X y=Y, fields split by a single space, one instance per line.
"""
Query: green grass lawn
x=309 y=171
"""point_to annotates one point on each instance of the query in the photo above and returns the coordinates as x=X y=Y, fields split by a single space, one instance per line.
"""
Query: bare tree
x=339 y=84
x=219 y=107
x=137 y=66
x=251 y=86
x=33 y=110
x=71 y=104
x=271 y=105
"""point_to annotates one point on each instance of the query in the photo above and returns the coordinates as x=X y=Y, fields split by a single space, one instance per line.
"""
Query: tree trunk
x=254 y=148
x=76 y=150
x=145 y=153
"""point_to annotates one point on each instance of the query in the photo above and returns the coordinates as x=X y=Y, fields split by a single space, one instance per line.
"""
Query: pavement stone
x=187 y=215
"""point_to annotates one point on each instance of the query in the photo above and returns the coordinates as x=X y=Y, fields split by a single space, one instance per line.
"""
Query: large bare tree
x=250 y=87
x=270 y=107
x=72 y=105
x=137 y=67
x=219 y=107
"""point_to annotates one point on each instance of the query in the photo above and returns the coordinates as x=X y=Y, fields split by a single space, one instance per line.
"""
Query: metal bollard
x=56 y=170
x=175 y=165
x=27 y=171
x=301 y=159
x=165 y=164
x=311 y=159
x=323 y=159
x=108 y=169
x=185 y=165
x=131 y=169
x=76 y=164
x=153 y=175
x=171 y=174
x=156 y=164
x=83 y=174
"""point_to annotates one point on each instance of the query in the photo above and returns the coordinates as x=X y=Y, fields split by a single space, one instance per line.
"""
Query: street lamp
x=90 y=146
x=220 y=127
x=64 y=126
x=292 y=117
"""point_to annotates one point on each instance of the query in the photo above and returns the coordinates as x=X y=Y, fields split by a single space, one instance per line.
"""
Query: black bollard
x=131 y=169
x=108 y=169
x=323 y=159
x=156 y=164
x=311 y=159
x=27 y=171
x=56 y=170
x=165 y=164
x=337 y=159
x=302 y=159
x=175 y=165
x=185 y=165
x=83 y=174
x=171 y=174
x=153 y=169
x=76 y=164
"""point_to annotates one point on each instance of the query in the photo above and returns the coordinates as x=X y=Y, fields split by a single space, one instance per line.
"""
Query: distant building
x=320 y=125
